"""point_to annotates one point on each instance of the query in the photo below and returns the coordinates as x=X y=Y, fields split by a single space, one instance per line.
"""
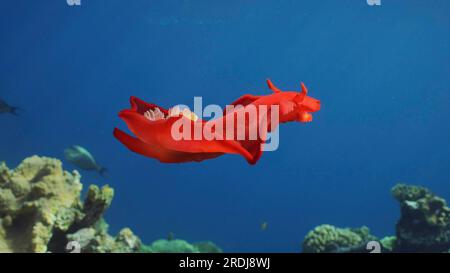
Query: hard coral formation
x=180 y=246
x=41 y=211
x=93 y=240
x=424 y=224
x=207 y=247
x=37 y=199
x=327 y=238
x=388 y=243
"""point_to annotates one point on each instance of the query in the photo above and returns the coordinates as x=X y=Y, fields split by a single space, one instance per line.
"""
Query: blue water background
x=381 y=73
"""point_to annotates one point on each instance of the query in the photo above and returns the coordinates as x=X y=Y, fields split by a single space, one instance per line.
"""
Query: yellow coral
x=34 y=196
x=328 y=238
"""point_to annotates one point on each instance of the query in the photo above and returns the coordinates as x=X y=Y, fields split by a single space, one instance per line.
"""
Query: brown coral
x=424 y=225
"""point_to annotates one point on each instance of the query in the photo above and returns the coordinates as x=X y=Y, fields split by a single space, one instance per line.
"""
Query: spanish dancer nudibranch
x=153 y=126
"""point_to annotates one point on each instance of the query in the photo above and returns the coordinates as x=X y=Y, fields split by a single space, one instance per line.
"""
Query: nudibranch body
x=154 y=126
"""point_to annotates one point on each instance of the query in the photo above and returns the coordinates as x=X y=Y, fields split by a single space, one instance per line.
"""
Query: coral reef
x=180 y=246
x=327 y=238
x=424 y=226
x=37 y=199
x=41 y=211
x=207 y=247
x=96 y=239
x=388 y=243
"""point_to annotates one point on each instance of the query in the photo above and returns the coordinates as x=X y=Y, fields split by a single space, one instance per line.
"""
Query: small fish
x=6 y=108
x=170 y=236
x=83 y=159
x=264 y=226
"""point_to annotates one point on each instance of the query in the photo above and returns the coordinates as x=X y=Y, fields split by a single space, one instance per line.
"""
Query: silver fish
x=83 y=159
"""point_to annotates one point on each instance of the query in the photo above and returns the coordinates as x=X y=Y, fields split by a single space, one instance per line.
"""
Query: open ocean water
x=380 y=72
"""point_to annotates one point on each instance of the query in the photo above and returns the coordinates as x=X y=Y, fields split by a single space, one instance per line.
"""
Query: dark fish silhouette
x=83 y=159
x=6 y=108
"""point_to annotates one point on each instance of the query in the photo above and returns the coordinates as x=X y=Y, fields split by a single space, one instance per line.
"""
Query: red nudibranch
x=152 y=127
